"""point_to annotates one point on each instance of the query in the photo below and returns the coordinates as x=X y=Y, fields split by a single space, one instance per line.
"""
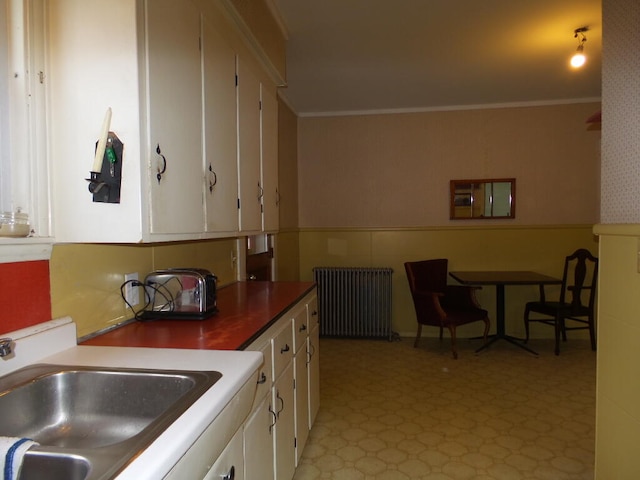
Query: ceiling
x=353 y=56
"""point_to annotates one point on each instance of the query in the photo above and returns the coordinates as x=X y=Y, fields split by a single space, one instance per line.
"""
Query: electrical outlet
x=131 y=292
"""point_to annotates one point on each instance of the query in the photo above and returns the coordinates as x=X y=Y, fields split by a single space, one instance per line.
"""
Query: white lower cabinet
x=258 y=441
x=230 y=463
x=278 y=427
x=300 y=325
x=258 y=429
x=313 y=358
x=284 y=429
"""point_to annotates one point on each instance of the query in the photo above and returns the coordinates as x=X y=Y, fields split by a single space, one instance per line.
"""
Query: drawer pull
x=285 y=348
x=262 y=379
x=303 y=327
x=231 y=475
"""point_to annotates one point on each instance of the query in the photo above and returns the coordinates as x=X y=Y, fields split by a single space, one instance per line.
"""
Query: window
x=24 y=184
x=23 y=165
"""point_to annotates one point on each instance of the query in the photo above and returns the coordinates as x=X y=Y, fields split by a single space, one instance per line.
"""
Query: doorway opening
x=259 y=264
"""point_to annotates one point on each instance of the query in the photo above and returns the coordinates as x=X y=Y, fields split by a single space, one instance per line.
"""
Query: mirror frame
x=458 y=198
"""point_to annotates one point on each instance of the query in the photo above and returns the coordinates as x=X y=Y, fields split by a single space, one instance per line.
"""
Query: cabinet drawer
x=282 y=349
x=300 y=328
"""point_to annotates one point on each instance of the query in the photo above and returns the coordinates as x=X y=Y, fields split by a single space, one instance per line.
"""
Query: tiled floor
x=392 y=412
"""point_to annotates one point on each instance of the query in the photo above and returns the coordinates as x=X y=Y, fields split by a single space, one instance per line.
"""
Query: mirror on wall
x=482 y=199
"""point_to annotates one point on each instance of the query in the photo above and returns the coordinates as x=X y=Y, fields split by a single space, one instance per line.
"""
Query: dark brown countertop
x=246 y=310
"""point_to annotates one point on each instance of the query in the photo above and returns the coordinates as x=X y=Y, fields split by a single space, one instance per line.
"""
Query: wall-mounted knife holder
x=105 y=186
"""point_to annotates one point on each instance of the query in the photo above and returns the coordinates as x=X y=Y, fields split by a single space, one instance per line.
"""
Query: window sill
x=25 y=249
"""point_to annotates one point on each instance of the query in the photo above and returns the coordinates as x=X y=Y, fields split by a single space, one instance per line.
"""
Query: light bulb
x=578 y=60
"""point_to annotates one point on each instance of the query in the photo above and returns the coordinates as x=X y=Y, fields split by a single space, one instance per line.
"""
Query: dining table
x=500 y=279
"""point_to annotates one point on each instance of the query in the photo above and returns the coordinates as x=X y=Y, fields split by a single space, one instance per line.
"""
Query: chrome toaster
x=180 y=293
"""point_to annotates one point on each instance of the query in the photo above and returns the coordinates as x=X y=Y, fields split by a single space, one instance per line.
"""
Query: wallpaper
x=620 y=177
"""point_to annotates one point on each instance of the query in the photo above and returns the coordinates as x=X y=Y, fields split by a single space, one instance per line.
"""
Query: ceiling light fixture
x=578 y=58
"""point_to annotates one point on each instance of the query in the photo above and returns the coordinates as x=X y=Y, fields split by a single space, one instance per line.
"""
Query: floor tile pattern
x=393 y=412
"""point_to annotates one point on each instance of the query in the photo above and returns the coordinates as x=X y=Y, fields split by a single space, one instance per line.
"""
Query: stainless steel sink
x=91 y=421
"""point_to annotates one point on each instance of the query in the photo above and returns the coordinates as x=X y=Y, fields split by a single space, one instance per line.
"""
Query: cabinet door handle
x=212 y=182
x=303 y=327
x=281 y=404
x=310 y=353
x=275 y=419
x=262 y=379
x=285 y=348
x=277 y=198
x=231 y=475
x=164 y=164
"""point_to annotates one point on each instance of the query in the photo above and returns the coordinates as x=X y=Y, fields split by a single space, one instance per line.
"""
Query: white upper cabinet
x=220 y=132
x=269 y=159
x=169 y=77
x=145 y=67
x=250 y=183
x=174 y=105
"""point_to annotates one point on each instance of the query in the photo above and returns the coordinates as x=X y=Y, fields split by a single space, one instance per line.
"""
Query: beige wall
x=259 y=19
x=618 y=381
x=394 y=170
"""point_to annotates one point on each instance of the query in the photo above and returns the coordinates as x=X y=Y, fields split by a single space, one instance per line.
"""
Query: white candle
x=102 y=142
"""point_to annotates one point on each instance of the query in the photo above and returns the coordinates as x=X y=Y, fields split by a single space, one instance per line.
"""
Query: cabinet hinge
x=295 y=443
x=238 y=204
x=236 y=79
x=260 y=105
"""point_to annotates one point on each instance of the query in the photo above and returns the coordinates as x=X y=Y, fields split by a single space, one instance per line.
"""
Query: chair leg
x=526 y=325
x=557 y=324
x=563 y=329
x=415 y=344
x=454 y=350
x=487 y=324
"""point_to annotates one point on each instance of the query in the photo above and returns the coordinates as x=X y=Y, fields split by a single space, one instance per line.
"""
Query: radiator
x=354 y=302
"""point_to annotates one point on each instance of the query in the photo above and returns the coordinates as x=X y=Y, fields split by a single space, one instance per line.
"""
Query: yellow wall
x=86 y=278
x=540 y=248
x=618 y=412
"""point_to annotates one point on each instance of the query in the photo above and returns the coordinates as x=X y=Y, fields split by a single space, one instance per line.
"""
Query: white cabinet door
x=220 y=132
x=258 y=442
x=269 y=159
x=313 y=359
x=174 y=106
x=301 y=385
x=284 y=430
x=230 y=463
x=300 y=330
x=250 y=185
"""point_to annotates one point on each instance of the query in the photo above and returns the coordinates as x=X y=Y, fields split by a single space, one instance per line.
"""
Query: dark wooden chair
x=576 y=303
x=440 y=305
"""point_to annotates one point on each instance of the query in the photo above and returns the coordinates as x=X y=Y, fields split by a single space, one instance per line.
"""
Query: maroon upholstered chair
x=440 y=305
x=576 y=303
